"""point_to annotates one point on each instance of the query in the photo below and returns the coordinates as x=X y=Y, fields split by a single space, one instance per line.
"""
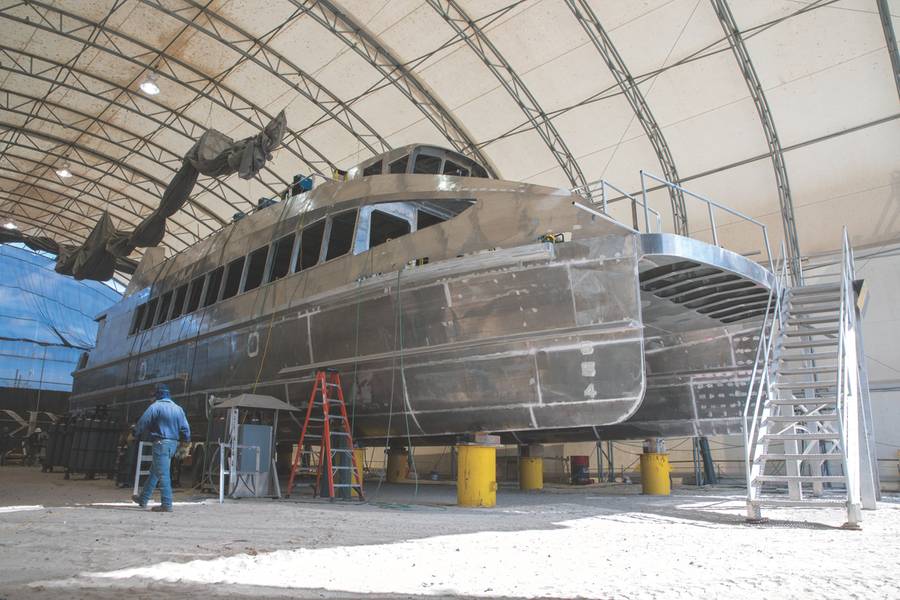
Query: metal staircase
x=803 y=416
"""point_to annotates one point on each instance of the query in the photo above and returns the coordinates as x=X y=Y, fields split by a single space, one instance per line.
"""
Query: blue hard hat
x=162 y=391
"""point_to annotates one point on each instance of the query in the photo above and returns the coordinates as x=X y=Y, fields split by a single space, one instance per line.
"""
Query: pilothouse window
x=426 y=219
x=451 y=168
x=429 y=165
x=341 y=237
x=373 y=169
x=399 y=165
x=385 y=227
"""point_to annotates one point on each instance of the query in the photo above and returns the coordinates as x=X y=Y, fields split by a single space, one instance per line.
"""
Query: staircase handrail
x=711 y=205
x=761 y=372
x=846 y=390
x=587 y=192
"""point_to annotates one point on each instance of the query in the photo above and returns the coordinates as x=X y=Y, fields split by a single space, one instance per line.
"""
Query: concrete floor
x=65 y=533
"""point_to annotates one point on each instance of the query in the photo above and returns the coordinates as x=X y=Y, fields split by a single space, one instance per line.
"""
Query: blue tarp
x=46 y=319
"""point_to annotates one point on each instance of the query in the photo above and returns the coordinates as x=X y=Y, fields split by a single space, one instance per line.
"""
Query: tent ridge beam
x=601 y=40
x=742 y=56
x=478 y=41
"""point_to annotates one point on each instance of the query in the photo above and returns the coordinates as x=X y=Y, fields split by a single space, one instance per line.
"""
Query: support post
x=531 y=468
x=397 y=464
x=476 y=482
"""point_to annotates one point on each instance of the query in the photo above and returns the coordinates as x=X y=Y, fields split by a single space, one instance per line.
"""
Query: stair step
x=832 y=300
x=800 y=457
x=800 y=401
x=813 y=320
x=812 y=502
x=801 y=478
x=807 y=371
x=816 y=288
x=784 y=437
x=810 y=344
x=816 y=309
x=812 y=332
x=805 y=385
x=809 y=356
x=800 y=418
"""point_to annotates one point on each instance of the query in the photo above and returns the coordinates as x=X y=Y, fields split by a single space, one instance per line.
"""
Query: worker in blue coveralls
x=164 y=423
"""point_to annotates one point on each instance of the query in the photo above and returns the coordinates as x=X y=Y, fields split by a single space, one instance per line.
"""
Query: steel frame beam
x=80 y=81
x=172 y=163
x=470 y=32
x=114 y=163
x=176 y=70
x=739 y=49
x=588 y=20
x=251 y=49
x=48 y=205
x=130 y=202
x=367 y=46
x=887 y=24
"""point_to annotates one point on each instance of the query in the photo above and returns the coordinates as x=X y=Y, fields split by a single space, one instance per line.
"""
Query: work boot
x=137 y=500
x=161 y=508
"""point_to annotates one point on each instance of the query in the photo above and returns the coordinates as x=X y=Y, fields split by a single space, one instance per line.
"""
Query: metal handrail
x=765 y=350
x=587 y=192
x=846 y=390
x=710 y=205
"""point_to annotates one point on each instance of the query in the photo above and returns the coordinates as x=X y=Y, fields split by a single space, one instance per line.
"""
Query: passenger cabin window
x=429 y=165
x=151 y=312
x=451 y=168
x=340 y=239
x=194 y=295
x=281 y=257
x=426 y=219
x=256 y=268
x=233 y=277
x=478 y=171
x=310 y=245
x=138 y=319
x=384 y=227
x=164 y=308
x=180 y=294
x=212 y=289
x=399 y=165
x=373 y=169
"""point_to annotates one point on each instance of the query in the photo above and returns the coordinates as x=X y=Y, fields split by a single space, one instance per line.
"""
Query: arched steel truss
x=86 y=158
x=332 y=18
x=470 y=32
x=736 y=41
x=588 y=20
x=165 y=65
x=34 y=107
x=115 y=163
x=887 y=25
x=260 y=53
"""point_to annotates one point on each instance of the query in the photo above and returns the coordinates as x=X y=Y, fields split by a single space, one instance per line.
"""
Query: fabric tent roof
x=523 y=83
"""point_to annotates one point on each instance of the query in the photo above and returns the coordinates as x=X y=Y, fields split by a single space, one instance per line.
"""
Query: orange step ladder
x=330 y=430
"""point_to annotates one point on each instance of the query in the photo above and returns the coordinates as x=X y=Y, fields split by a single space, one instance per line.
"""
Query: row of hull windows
x=425 y=164
x=289 y=254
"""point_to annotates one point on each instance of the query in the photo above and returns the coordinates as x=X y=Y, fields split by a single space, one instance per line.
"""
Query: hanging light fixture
x=9 y=225
x=64 y=171
x=148 y=86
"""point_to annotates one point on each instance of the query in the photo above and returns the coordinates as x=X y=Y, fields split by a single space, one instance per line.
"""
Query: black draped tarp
x=106 y=249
